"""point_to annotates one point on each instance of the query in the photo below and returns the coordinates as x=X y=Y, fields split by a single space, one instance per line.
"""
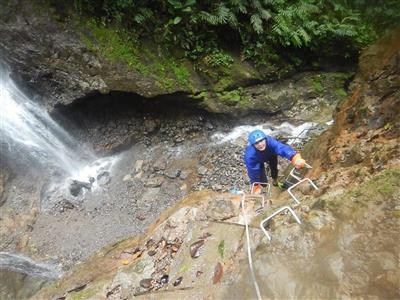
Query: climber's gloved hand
x=256 y=189
x=298 y=161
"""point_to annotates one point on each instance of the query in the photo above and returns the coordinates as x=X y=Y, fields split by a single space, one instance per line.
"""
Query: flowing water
x=30 y=138
x=291 y=132
x=29 y=133
x=21 y=277
x=20 y=263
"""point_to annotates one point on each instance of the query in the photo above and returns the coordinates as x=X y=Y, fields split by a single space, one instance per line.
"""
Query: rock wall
x=366 y=131
x=346 y=246
x=63 y=59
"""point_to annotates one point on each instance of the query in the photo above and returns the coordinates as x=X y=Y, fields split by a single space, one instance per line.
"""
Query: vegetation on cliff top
x=262 y=31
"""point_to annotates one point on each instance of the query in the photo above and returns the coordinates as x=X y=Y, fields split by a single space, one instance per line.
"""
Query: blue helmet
x=256 y=136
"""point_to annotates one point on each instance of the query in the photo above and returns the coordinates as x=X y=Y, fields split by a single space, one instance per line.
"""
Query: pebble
x=146 y=283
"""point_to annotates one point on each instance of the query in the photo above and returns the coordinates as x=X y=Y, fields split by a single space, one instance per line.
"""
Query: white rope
x=248 y=247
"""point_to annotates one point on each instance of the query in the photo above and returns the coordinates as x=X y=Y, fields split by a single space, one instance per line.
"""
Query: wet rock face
x=15 y=285
x=52 y=58
x=366 y=132
x=112 y=123
x=48 y=55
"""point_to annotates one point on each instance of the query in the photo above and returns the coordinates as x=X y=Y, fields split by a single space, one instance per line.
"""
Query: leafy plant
x=221 y=248
x=264 y=31
x=218 y=59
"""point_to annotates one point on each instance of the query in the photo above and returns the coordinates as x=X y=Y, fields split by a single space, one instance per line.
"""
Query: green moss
x=89 y=291
x=317 y=85
x=341 y=92
x=230 y=98
x=114 y=44
x=224 y=83
x=381 y=187
x=386 y=183
x=120 y=46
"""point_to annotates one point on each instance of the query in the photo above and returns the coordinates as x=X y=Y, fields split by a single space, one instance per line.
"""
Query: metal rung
x=294 y=173
x=273 y=215
x=261 y=183
x=295 y=185
x=257 y=196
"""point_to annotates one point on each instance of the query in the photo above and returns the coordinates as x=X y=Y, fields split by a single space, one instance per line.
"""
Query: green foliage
x=115 y=44
x=341 y=92
x=317 y=85
x=118 y=45
x=218 y=59
x=221 y=248
x=264 y=31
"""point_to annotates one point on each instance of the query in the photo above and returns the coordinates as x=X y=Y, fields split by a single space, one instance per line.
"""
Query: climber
x=262 y=148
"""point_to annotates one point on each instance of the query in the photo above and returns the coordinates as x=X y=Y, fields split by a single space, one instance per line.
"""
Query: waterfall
x=20 y=263
x=28 y=132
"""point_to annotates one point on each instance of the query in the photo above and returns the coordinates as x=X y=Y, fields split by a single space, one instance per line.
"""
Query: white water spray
x=285 y=129
x=28 y=133
x=20 y=263
x=27 y=130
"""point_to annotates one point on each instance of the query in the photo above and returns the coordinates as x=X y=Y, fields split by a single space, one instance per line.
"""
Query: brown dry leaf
x=136 y=255
x=218 y=272
x=195 y=248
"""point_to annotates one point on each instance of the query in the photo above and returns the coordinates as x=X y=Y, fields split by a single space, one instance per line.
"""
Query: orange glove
x=298 y=161
x=256 y=189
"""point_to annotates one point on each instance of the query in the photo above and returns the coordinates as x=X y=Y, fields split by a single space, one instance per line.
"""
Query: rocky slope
x=346 y=246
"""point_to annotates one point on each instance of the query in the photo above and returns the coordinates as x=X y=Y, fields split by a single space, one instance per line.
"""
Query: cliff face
x=346 y=246
x=366 y=131
x=64 y=59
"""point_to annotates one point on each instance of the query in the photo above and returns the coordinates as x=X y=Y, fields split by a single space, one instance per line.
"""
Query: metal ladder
x=293 y=174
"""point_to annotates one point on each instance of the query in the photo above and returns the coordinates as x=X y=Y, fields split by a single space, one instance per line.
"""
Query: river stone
x=172 y=173
x=77 y=186
x=154 y=182
x=202 y=170
x=103 y=178
x=160 y=164
x=138 y=166
x=150 y=125
x=184 y=174
x=127 y=177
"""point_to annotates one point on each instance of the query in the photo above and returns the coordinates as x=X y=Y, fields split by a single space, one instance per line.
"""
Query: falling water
x=27 y=131
x=20 y=263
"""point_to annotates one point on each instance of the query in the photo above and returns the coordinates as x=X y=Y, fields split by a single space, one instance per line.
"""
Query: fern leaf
x=256 y=22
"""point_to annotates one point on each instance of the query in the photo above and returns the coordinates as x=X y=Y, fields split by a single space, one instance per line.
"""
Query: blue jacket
x=255 y=159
